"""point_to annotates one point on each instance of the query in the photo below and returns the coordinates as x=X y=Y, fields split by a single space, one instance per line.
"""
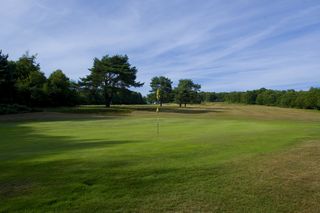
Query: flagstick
x=157 y=121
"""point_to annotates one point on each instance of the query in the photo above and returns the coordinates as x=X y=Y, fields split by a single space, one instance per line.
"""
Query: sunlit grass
x=214 y=158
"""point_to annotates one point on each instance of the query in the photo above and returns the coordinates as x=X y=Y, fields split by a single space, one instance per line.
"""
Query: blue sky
x=223 y=45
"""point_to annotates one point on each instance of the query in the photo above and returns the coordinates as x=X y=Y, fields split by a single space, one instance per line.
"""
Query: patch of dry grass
x=289 y=179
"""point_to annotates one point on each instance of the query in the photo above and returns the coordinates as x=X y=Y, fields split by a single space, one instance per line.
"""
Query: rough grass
x=212 y=158
x=90 y=109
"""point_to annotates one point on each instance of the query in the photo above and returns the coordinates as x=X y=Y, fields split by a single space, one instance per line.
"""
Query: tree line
x=189 y=92
x=186 y=92
x=283 y=98
x=109 y=80
x=23 y=82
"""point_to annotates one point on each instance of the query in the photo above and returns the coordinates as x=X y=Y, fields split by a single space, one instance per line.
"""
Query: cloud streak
x=223 y=46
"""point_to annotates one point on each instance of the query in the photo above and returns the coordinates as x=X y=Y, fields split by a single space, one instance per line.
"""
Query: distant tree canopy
x=24 y=85
x=61 y=91
x=283 y=98
x=164 y=85
x=211 y=97
x=30 y=81
x=109 y=75
x=22 y=82
x=7 y=79
x=125 y=96
x=186 y=92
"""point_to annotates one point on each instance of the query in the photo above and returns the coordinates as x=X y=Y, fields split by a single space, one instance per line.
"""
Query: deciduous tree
x=164 y=85
x=186 y=92
x=61 y=90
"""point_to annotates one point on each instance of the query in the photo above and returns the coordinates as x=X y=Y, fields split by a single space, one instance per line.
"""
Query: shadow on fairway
x=36 y=177
x=58 y=116
x=21 y=142
x=33 y=170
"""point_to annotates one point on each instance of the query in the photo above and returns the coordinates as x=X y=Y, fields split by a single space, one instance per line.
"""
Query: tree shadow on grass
x=21 y=142
x=30 y=175
x=58 y=116
x=115 y=184
x=28 y=161
x=123 y=183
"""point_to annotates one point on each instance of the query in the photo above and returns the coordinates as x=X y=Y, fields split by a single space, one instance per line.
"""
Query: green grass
x=213 y=158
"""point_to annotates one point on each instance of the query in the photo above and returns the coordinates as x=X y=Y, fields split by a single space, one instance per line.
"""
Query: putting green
x=206 y=158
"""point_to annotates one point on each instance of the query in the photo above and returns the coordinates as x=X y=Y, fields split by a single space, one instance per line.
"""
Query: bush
x=90 y=110
x=14 y=108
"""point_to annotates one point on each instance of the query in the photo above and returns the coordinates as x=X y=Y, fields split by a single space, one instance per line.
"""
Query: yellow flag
x=158 y=94
x=158 y=99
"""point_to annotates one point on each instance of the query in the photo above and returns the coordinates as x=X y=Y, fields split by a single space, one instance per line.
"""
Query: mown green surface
x=211 y=161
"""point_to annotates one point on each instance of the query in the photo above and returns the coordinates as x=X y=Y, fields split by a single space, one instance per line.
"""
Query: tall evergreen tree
x=109 y=74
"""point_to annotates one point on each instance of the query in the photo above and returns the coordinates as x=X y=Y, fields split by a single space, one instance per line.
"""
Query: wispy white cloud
x=223 y=46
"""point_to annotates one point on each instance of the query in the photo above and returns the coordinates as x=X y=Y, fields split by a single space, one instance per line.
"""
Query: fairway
x=206 y=158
